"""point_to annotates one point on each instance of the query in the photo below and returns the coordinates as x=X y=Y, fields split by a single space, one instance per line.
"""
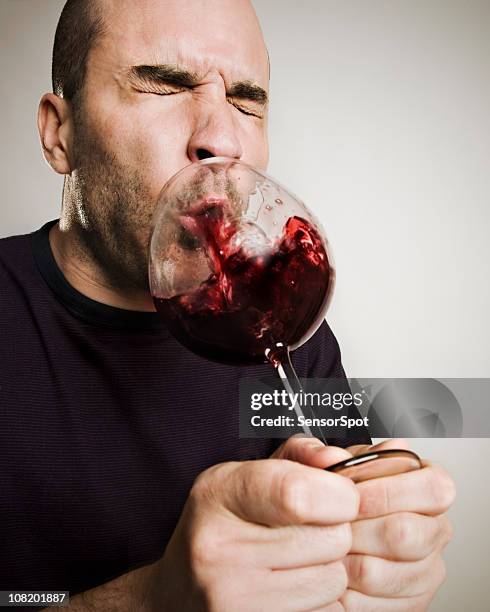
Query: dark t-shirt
x=105 y=422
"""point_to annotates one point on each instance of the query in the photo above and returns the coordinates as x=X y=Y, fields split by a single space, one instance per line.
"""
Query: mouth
x=206 y=217
x=210 y=207
x=208 y=203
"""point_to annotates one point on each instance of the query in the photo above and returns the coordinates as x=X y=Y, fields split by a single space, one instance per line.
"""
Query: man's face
x=169 y=82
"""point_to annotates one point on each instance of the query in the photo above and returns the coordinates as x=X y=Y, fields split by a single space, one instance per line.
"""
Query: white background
x=380 y=122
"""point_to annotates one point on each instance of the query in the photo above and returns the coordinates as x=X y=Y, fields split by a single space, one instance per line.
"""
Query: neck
x=87 y=277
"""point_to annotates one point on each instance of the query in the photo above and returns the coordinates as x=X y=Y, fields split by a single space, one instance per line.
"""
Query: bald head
x=82 y=22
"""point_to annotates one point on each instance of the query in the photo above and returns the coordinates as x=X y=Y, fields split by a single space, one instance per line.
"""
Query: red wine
x=251 y=302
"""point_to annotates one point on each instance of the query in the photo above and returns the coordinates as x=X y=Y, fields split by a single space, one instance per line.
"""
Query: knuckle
x=294 y=500
x=352 y=602
x=205 y=485
x=443 y=488
x=205 y=548
x=362 y=574
x=201 y=487
x=447 y=530
x=288 y=448
x=295 y=447
x=300 y=444
x=292 y=446
x=400 y=534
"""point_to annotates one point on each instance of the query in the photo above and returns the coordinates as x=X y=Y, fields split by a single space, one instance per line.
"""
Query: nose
x=215 y=134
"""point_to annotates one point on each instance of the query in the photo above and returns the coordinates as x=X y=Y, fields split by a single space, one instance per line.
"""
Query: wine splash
x=254 y=299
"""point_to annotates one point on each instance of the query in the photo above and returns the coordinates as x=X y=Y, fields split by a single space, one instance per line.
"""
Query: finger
x=358 y=602
x=381 y=578
x=403 y=536
x=309 y=588
x=278 y=492
x=296 y=546
x=301 y=590
x=429 y=490
x=396 y=443
x=310 y=451
x=335 y=607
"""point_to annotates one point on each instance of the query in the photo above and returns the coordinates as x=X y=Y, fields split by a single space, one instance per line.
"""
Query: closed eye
x=162 y=90
x=245 y=110
x=169 y=90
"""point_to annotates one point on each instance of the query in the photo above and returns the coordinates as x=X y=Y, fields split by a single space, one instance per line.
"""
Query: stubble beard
x=111 y=207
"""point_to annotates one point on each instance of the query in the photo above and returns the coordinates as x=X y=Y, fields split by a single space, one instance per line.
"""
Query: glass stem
x=281 y=360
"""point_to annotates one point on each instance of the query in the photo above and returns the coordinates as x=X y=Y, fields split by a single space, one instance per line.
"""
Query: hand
x=261 y=535
x=395 y=561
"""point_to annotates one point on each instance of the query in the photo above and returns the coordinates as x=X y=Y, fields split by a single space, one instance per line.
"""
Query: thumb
x=310 y=451
x=396 y=443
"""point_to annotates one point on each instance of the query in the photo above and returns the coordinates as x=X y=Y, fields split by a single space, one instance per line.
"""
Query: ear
x=55 y=125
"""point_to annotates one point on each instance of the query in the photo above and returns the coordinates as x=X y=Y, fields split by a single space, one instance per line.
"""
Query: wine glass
x=239 y=268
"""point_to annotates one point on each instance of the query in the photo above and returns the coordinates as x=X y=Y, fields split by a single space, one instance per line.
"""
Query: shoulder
x=323 y=342
x=324 y=357
x=18 y=270
x=14 y=250
x=319 y=357
x=323 y=338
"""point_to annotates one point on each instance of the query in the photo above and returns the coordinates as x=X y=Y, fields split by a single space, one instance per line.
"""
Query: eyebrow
x=247 y=90
x=173 y=75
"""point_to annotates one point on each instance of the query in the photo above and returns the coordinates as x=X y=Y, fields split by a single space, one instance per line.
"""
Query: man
x=124 y=478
